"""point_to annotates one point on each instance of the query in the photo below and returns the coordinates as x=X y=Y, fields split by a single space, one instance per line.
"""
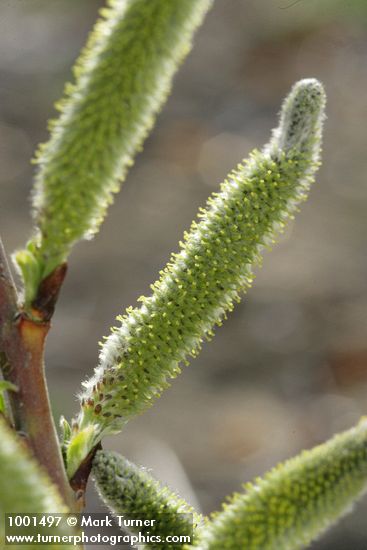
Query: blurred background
x=289 y=367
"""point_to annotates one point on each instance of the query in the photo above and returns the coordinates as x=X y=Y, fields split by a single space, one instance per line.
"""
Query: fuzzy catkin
x=296 y=501
x=132 y=492
x=25 y=488
x=121 y=80
x=202 y=282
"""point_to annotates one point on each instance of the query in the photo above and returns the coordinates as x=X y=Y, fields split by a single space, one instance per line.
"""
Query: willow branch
x=22 y=346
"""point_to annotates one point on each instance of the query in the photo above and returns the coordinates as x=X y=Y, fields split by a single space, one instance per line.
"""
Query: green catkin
x=121 y=80
x=132 y=492
x=296 y=501
x=24 y=486
x=202 y=282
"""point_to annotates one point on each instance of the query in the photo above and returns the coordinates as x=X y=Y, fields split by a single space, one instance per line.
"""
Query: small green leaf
x=65 y=429
x=31 y=271
x=4 y=386
x=78 y=448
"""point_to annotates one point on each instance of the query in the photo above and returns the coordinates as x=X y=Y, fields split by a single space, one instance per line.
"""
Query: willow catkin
x=26 y=489
x=121 y=80
x=296 y=501
x=131 y=492
x=201 y=283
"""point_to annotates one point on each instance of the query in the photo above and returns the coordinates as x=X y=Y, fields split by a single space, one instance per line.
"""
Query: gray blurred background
x=288 y=369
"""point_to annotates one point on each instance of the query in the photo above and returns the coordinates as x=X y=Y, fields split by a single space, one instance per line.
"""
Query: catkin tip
x=301 y=118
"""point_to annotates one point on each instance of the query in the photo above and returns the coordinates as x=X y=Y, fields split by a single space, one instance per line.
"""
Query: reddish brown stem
x=24 y=351
x=22 y=342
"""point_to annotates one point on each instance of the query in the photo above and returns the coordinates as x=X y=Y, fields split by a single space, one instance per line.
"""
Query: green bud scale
x=214 y=267
x=296 y=501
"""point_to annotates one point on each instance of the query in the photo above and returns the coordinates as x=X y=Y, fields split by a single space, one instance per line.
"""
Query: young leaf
x=131 y=492
x=5 y=386
x=25 y=488
x=121 y=80
x=297 y=501
x=202 y=282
